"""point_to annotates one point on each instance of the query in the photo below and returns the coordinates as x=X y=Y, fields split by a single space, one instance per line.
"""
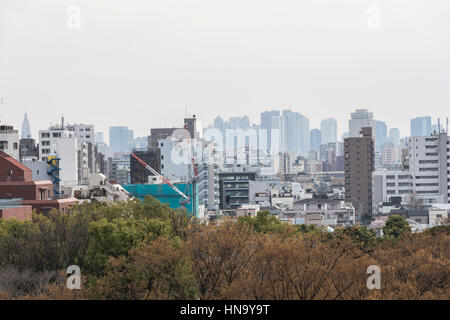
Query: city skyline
x=106 y=133
x=321 y=60
x=215 y=153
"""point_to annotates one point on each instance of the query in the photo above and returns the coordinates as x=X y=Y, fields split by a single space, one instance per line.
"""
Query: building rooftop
x=318 y=200
x=15 y=162
x=10 y=203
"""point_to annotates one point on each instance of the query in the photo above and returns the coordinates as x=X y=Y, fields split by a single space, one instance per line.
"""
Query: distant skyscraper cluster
x=369 y=170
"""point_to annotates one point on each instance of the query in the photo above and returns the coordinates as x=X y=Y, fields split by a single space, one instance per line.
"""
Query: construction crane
x=146 y=166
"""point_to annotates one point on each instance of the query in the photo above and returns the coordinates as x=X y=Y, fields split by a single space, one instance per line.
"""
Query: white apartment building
x=427 y=179
x=289 y=163
x=390 y=155
x=86 y=149
x=286 y=161
x=85 y=146
x=313 y=156
x=9 y=141
x=429 y=162
x=84 y=132
x=63 y=144
x=208 y=175
x=387 y=184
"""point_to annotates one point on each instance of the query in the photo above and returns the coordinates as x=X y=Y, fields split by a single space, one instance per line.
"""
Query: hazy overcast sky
x=140 y=62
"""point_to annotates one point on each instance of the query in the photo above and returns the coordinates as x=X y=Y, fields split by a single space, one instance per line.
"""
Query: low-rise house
x=418 y=215
x=16 y=183
x=247 y=210
x=325 y=212
x=282 y=200
x=437 y=216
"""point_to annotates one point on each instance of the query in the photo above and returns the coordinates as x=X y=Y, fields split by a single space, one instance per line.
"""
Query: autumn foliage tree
x=145 y=250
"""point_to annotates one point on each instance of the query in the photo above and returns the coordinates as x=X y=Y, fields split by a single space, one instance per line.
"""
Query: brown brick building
x=359 y=165
x=16 y=183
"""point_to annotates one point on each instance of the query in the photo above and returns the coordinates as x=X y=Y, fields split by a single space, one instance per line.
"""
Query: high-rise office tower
x=315 y=140
x=245 y=123
x=295 y=132
x=219 y=123
x=120 y=139
x=359 y=119
x=26 y=128
x=271 y=120
x=239 y=123
x=420 y=126
x=359 y=165
x=394 y=136
x=328 y=128
x=381 y=134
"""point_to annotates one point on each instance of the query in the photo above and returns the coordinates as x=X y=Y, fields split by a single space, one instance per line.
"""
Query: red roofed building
x=16 y=182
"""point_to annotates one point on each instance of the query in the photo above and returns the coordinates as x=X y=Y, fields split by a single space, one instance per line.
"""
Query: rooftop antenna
x=62 y=122
x=439 y=125
x=446 y=129
x=185 y=111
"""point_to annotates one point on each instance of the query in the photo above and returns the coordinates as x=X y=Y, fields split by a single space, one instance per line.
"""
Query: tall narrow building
x=26 y=128
x=381 y=133
x=271 y=121
x=295 y=132
x=359 y=165
x=328 y=128
x=315 y=140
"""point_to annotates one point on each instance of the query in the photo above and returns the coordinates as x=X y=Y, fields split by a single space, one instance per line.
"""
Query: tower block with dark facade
x=359 y=165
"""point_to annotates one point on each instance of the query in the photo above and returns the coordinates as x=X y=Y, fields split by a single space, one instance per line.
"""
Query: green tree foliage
x=157 y=270
x=263 y=222
x=396 y=226
x=359 y=234
x=146 y=250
